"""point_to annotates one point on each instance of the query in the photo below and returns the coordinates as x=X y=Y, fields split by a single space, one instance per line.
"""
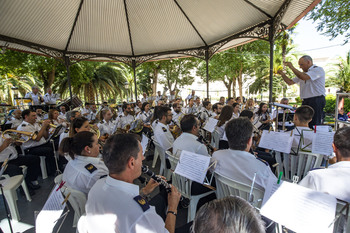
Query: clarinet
x=201 y=139
x=184 y=202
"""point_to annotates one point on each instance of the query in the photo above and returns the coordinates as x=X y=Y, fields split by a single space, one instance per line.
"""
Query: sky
x=310 y=41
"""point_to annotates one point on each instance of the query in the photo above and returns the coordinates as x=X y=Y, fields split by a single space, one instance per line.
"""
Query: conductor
x=312 y=86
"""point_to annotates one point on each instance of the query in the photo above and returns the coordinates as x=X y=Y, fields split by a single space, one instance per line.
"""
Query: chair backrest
x=228 y=187
x=77 y=200
x=298 y=165
x=161 y=152
x=58 y=179
x=342 y=225
x=215 y=138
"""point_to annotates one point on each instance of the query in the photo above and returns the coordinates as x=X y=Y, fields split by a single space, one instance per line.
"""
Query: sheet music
x=323 y=128
x=306 y=141
x=322 y=143
x=192 y=166
x=144 y=143
x=210 y=125
x=298 y=208
x=51 y=212
x=278 y=141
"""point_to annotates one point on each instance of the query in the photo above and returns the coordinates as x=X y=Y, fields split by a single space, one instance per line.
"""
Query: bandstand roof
x=141 y=30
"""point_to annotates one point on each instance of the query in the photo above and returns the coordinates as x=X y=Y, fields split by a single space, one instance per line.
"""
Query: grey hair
x=228 y=215
x=307 y=58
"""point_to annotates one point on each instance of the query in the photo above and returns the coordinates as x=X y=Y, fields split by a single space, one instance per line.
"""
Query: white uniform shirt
x=205 y=114
x=144 y=99
x=122 y=121
x=334 y=180
x=85 y=112
x=80 y=176
x=91 y=116
x=163 y=136
x=315 y=86
x=145 y=117
x=234 y=115
x=241 y=166
x=221 y=130
x=62 y=116
x=111 y=208
x=50 y=99
x=158 y=98
x=34 y=97
x=15 y=122
x=106 y=127
x=10 y=150
x=189 y=142
x=214 y=114
x=25 y=126
x=191 y=110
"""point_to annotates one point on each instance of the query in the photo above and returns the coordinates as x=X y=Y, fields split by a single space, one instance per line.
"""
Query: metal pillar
x=134 y=70
x=67 y=64
x=207 y=70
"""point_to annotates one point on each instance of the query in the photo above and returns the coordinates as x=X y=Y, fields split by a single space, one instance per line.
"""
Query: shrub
x=331 y=101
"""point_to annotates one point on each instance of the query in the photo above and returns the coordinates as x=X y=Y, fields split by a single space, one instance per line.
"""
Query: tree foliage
x=341 y=79
x=333 y=18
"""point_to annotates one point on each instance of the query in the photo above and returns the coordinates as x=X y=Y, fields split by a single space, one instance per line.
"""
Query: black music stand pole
x=8 y=214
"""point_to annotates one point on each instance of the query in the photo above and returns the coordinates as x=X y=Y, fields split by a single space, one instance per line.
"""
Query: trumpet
x=19 y=136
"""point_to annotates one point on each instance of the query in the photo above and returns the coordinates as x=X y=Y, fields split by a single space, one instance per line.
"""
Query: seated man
x=230 y=214
x=302 y=117
x=7 y=151
x=162 y=132
x=188 y=140
x=334 y=180
x=115 y=204
x=288 y=125
x=38 y=146
x=237 y=163
x=16 y=119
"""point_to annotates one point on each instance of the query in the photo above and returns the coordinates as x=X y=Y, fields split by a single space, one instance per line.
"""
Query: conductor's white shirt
x=241 y=166
x=111 y=208
x=80 y=175
x=189 y=142
x=334 y=180
x=25 y=126
x=315 y=86
x=163 y=136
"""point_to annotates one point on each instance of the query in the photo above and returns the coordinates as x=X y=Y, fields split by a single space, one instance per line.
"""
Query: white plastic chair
x=76 y=199
x=10 y=186
x=297 y=165
x=342 y=225
x=163 y=169
x=228 y=187
x=184 y=186
x=42 y=165
x=155 y=156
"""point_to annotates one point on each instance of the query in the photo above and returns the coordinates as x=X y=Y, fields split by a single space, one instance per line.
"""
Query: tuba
x=95 y=130
x=19 y=136
x=136 y=126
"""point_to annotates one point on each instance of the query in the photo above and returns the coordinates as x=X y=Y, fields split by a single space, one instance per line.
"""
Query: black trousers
x=47 y=151
x=33 y=167
x=317 y=103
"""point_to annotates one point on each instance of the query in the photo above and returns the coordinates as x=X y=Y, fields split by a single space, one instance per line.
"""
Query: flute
x=184 y=202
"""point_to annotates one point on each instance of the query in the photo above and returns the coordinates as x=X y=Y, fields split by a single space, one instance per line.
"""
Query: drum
x=71 y=104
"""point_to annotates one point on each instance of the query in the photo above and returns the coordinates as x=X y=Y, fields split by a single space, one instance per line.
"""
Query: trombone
x=19 y=136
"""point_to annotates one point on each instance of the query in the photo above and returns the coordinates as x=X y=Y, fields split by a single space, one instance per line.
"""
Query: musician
x=188 y=140
x=216 y=110
x=50 y=98
x=137 y=108
x=162 y=132
x=230 y=101
x=84 y=168
x=53 y=117
x=237 y=163
x=154 y=120
x=85 y=111
x=222 y=100
x=16 y=119
x=263 y=117
x=191 y=96
x=288 y=125
x=236 y=110
x=177 y=113
x=38 y=146
x=118 y=200
x=205 y=113
x=125 y=118
x=39 y=114
x=198 y=104
x=312 y=86
x=230 y=214
x=70 y=116
x=250 y=105
x=172 y=97
x=302 y=117
x=144 y=98
x=158 y=97
x=334 y=180
x=93 y=112
x=79 y=124
x=191 y=107
x=145 y=115
x=225 y=116
x=36 y=97
x=106 y=126
x=8 y=151
x=63 y=113
x=239 y=101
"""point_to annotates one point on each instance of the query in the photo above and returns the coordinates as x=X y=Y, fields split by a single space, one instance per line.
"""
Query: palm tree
x=341 y=79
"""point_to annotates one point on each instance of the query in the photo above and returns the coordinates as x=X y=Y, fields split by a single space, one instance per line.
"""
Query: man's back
x=334 y=180
x=241 y=166
x=111 y=208
x=188 y=142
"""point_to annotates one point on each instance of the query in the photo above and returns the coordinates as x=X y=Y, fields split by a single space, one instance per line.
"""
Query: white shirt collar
x=126 y=187
x=87 y=159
